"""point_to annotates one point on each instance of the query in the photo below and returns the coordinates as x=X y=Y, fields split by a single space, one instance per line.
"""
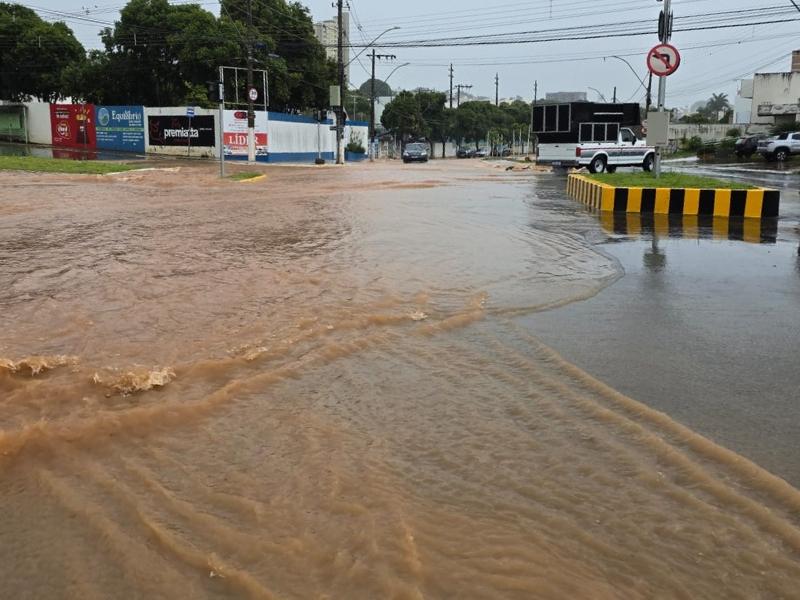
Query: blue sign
x=190 y=111
x=120 y=128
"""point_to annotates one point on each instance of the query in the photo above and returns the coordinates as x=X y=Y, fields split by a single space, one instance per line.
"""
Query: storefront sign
x=120 y=128
x=236 y=132
x=73 y=125
x=175 y=130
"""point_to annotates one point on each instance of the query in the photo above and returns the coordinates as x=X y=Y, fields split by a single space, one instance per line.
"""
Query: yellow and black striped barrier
x=691 y=227
x=755 y=203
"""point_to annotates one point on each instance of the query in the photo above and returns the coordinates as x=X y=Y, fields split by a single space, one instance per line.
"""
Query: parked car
x=465 y=152
x=781 y=147
x=481 y=153
x=747 y=145
x=501 y=151
x=416 y=152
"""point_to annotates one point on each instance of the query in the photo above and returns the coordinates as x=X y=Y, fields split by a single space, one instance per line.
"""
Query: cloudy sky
x=714 y=58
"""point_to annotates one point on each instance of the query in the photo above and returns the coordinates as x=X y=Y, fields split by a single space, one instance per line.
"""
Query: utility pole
x=460 y=87
x=340 y=65
x=251 y=113
x=497 y=89
x=649 y=101
x=533 y=108
x=662 y=81
x=372 y=93
x=451 y=85
x=372 y=105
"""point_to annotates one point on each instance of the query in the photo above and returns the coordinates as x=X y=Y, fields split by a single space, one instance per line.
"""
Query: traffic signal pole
x=662 y=81
x=340 y=65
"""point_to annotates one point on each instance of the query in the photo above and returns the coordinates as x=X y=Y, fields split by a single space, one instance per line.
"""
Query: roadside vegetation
x=37 y=164
x=244 y=175
x=667 y=180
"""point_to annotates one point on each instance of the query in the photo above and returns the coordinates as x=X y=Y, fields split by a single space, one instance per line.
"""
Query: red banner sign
x=73 y=125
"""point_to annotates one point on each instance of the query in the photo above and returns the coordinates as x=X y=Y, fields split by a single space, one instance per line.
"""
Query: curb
x=756 y=203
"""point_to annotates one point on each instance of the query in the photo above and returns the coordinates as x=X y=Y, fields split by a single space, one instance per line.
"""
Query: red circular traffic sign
x=663 y=60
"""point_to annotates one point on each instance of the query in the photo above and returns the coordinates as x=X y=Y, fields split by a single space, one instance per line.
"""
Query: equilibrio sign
x=181 y=130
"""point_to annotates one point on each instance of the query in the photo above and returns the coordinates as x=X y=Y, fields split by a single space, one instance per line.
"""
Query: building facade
x=327 y=32
x=776 y=97
x=565 y=97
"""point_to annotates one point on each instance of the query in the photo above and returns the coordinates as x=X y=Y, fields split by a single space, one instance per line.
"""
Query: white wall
x=775 y=89
x=180 y=111
x=38 y=118
x=707 y=133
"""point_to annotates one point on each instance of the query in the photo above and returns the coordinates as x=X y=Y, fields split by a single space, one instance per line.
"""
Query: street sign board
x=190 y=111
x=663 y=60
x=658 y=128
x=336 y=95
x=253 y=94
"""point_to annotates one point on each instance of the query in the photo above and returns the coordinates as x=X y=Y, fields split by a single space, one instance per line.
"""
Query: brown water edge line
x=205 y=564
x=107 y=423
x=235 y=541
x=749 y=470
x=237 y=503
x=777 y=488
x=522 y=311
x=559 y=525
x=607 y=442
x=114 y=538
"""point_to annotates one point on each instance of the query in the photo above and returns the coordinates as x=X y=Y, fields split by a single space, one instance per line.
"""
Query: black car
x=415 y=152
x=748 y=145
x=465 y=153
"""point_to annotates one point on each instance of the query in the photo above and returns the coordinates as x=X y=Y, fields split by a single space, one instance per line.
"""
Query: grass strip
x=244 y=175
x=667 y=180
x=37 y=164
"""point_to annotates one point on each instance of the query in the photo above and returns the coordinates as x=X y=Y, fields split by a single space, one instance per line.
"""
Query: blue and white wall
x=296 y=138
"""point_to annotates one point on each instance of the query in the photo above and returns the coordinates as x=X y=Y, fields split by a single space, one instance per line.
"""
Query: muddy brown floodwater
x=312 y=386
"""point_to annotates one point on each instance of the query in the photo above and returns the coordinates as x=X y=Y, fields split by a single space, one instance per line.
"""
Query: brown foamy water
x=310 y=387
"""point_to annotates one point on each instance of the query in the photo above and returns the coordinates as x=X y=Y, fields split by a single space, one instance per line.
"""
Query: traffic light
x=214 y=89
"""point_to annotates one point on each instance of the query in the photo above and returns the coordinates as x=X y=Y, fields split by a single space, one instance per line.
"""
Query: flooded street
x=346 y=384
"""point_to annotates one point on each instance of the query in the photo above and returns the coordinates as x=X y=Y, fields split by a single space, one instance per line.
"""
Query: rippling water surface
x=311 y=387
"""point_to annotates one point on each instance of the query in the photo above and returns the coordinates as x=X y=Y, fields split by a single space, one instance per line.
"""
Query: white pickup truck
x=627 y=151
x=589 y=134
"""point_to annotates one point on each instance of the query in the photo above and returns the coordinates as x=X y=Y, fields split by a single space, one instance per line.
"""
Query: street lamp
x=648 y=85
x=371 y=44
x=599 y=93
x=395 y=69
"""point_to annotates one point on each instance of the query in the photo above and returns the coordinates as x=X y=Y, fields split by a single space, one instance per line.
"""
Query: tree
x=301 y=76
x=443 y=129
x=34 y=55
x=718 y=103
x=475 y=119
x=403 y=116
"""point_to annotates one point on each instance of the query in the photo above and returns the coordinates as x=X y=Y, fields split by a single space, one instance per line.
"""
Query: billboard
x=73 y=125
x=120 y=128
x=235 y=129
x=180 y=130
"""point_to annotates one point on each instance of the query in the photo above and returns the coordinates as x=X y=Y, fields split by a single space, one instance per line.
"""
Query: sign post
x=189 y=114
x=222 y=122
x=663 y=61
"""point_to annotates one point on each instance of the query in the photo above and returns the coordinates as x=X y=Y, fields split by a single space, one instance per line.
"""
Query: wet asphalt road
x=704 y=325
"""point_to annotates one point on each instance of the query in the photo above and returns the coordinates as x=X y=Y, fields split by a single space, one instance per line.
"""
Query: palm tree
x=718 y=103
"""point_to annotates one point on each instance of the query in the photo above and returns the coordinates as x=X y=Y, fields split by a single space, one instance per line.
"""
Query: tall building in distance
x=327 y=32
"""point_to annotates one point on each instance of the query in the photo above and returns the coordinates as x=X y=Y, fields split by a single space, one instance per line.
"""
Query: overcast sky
x=713 y=60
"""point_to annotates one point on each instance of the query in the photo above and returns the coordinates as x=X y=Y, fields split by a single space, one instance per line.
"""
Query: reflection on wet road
x=338 y=389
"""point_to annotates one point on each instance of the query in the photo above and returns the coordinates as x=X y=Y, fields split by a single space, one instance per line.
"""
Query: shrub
x=355 y=146
x=734 y=132
x=693 y=144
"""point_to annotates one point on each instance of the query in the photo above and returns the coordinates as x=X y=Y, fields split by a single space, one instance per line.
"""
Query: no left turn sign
x=663 y=60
